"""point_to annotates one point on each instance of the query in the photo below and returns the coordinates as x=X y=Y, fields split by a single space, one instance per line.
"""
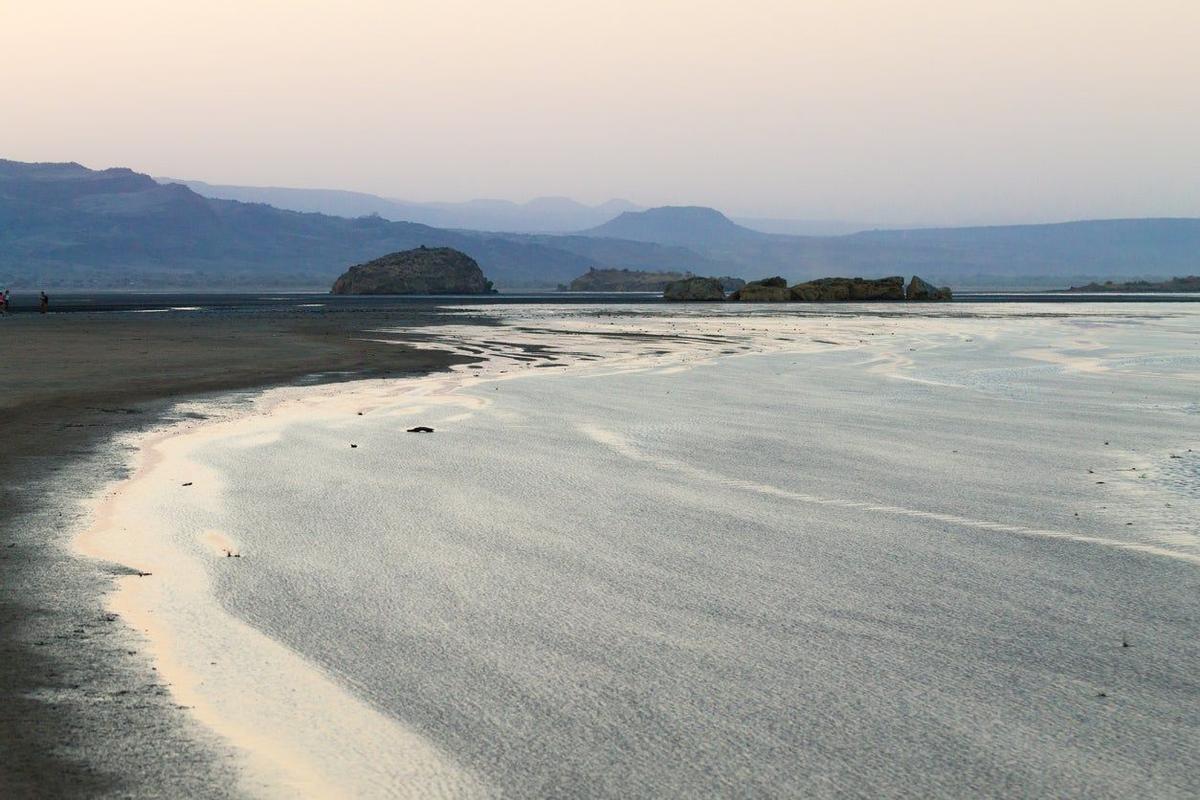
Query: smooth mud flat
x=949 y=551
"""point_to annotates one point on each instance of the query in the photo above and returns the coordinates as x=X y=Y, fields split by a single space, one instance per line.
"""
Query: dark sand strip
x=82 y=712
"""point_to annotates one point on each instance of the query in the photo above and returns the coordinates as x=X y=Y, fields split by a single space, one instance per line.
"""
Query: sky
x=883 y=111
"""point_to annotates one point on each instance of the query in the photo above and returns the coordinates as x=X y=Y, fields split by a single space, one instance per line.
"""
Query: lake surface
x=67 y=301
x=750 y=553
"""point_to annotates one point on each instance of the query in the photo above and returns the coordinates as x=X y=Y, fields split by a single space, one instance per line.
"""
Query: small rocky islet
x=823 y=290
x=1189 y=283
x=423 y=270
x=633 y=280
x=695 y=289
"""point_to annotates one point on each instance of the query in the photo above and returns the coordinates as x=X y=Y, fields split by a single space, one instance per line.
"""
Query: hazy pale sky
x=877 y=110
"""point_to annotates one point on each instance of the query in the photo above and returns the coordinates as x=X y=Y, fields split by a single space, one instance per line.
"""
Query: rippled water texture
x=717 y=552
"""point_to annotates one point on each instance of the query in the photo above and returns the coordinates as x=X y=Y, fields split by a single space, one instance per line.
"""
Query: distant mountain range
x=542 y=215
x=1012 y=255
x=67 y=225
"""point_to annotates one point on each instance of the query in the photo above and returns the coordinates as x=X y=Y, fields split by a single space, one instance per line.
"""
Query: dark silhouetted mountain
x=66 y=225
x=541 y=215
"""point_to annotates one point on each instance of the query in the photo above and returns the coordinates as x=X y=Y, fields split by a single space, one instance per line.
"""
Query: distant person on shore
x=45 y=306
x=4 y=302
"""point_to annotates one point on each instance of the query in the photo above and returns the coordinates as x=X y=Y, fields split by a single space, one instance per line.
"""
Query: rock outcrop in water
x=832 y=290
x=823 y=290
x=632 y=280
x=694 y=289
x=767 y=290
x=1190 y=283
x=919 y=290
x=623 y=280
x=425 y=270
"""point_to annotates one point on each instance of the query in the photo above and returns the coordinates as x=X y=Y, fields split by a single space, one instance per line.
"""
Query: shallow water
x=869 y=555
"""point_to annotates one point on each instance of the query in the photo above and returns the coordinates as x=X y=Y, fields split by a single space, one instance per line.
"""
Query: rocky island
x=632 y=280
x=694 y=290
x=767 y=290
x=425 y=270
x=1191 y=283
x=922 y=290
x=823 y=290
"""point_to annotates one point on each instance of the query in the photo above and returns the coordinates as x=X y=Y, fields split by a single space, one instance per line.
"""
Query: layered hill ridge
x=540 y=215
x=67 y=225
x=1000 y=254
x=63 y=224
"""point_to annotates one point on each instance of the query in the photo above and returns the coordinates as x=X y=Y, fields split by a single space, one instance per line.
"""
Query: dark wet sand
x=81 y=710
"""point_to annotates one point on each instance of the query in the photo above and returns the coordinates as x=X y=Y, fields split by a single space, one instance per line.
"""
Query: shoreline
x=334 y=410
x=502 y=352
x=285 y=752
x=168 y=598
x=83 y=708
x=83 y=711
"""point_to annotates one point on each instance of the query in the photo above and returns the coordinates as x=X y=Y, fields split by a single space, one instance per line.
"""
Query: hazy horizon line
x=970 y=222
x=734 y=215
